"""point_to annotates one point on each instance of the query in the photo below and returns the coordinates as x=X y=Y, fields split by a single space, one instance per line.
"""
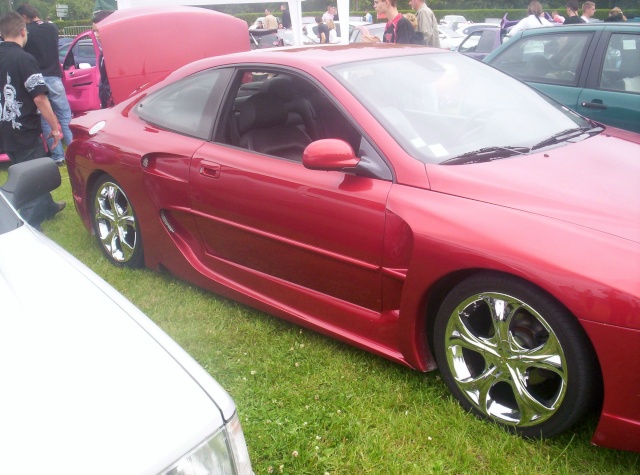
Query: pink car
x=81 y=74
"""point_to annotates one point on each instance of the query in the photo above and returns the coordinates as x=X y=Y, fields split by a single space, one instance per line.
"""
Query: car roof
x=313 y=57
x=582 y=27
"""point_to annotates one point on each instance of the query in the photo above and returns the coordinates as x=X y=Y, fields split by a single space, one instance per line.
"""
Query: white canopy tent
x=295 y=9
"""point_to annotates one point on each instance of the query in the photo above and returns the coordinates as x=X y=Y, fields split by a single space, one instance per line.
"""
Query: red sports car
x=406 y=200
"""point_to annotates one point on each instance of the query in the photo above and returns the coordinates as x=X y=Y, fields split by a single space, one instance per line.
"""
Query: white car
x=90 y=385
x=453 y=21
x=449 y=38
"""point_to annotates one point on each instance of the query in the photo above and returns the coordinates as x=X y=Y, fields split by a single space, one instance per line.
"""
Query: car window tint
x=550 y=58
x=295 y=114
x=470 y=44
x=185 y=106
x=621 y=65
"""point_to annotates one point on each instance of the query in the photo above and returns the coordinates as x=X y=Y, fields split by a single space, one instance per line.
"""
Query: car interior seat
x=301 y=112
x=263 y=128
x=537 y=67
x=630 y=69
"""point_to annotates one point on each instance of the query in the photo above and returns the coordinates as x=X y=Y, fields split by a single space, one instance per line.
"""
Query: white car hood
x=86 y=385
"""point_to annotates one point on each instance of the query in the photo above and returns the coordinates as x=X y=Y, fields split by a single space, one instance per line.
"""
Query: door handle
x=210 y=169
x=594 y=104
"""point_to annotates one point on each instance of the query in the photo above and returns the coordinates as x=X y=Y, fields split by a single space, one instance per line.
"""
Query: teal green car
x=592 y=68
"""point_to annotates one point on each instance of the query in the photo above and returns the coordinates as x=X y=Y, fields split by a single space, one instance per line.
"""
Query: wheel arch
x=434 y=296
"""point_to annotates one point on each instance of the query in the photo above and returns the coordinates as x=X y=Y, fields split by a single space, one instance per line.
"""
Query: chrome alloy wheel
x=506 y=359
x=114 y=222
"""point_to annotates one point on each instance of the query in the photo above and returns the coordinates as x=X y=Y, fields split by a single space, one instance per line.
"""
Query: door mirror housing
x=330 y=155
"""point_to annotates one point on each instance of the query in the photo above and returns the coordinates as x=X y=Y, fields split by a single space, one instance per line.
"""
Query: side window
x=187 y=106
x=470 y=44
x=551 y=58
x=621 y=64
x=279 y=114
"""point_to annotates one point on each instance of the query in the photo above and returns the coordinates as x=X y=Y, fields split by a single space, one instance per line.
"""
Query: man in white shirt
x=588 y=10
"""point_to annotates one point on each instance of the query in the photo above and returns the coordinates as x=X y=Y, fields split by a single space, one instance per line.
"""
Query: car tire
x=115 y=224
x=511 y=353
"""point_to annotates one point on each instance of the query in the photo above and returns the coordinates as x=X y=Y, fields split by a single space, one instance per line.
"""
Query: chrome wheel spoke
x=506 y=359
x=115 y=222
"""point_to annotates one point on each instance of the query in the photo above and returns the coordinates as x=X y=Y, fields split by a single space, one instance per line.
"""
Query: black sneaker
x=60 y=205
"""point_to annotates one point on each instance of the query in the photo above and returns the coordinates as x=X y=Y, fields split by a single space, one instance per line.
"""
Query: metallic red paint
x=367 y=261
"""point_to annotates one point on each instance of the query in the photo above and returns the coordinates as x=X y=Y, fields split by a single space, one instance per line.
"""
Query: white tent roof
x=295 y=8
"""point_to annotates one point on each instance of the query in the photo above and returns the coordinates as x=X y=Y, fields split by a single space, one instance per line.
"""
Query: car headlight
x=224 y=453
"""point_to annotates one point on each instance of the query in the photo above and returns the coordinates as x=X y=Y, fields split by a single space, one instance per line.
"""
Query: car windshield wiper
x=486 y=155
x=566 y=135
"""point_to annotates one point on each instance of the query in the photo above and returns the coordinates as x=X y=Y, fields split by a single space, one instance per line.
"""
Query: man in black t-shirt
x=323 y=31
x=43 y=45
x=23 y=100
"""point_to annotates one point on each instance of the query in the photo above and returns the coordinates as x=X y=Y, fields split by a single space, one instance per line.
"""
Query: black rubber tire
x=499 y=378
x=115 y=224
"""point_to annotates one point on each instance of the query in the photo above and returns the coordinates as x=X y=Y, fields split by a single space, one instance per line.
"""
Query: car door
x=81 y=75
x=270 y=223
x=479 y=43
x=612 y=92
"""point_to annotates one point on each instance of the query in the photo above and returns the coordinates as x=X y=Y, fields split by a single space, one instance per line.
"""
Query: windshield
x=439 y=107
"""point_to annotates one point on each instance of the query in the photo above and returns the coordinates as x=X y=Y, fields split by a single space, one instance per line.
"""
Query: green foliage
x=312 y=405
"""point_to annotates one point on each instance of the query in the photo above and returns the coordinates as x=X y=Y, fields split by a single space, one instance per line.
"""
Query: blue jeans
x=60 y=106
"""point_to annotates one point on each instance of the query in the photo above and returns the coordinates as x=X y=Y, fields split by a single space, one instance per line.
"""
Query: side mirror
x=84 y=66
x=329 y=154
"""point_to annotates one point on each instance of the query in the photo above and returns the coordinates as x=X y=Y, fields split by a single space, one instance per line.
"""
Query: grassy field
x=310 y=405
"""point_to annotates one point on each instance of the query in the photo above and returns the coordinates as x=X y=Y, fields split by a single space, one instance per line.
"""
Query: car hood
x=90 y=384
x=142 y=45
x=594 y=183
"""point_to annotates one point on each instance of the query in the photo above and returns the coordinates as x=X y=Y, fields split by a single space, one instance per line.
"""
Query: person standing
x=427 y=23
x=286 y=17
x=535 y=19
x=615 y=14
x=270 y=22
x=398 y=28
x=588 y=10
x=23 y=99
x=43 y=45
x=572 y=13
x=323 y=31
x=367 y=16
x=104 y=88
x=328 y=15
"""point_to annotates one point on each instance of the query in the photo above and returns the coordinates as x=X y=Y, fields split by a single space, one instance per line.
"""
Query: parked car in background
x=479 y=43
x=592 y=68
x=430 y=224
x=88 y=381
x=83 y=52
x=453 y=21
x=449 y=38
x=218 y=34
x=465 y=29
x=358 y=30
x=260 y=22
x=63 y=46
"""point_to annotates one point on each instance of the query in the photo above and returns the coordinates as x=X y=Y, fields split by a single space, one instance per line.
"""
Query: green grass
x=311 y=405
